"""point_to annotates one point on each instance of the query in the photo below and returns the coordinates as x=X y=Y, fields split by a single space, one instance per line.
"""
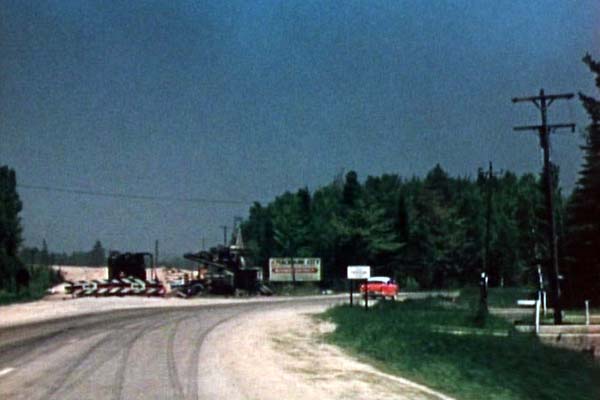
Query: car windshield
x=379 y=279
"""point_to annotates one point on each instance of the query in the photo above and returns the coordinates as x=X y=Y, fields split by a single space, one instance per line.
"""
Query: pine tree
x=10 y=226
x=97 y=256
x=352 y=190
x=44 y=254
x=584 y=210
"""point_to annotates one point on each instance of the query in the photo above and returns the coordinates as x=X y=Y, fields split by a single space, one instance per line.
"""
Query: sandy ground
x=81 y=273
x=280 y=354
x=73 y=274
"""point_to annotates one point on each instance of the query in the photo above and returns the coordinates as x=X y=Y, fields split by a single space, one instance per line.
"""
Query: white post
x=537 y=316
x=587 y=312
x=545 y=304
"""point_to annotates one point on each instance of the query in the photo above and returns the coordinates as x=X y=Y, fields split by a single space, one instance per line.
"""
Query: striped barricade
x=116 y=287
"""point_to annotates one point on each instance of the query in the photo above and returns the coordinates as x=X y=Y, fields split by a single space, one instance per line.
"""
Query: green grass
x=497 y=297
x=301 y=288
x=7 y=297
x=405 y=338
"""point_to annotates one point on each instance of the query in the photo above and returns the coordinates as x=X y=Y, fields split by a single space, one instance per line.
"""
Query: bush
x=41 y=278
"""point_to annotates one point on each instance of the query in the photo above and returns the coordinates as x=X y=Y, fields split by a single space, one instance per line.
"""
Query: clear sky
x=242 y=100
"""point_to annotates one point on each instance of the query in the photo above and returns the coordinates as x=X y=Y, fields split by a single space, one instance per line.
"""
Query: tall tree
x=97 y=255
x=584 y=209
x=44 y=254
x=259 y=235
x=10 y=226
x=352 y=190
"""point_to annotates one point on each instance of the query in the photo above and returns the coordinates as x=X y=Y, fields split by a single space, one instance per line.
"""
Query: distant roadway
x=124 y=354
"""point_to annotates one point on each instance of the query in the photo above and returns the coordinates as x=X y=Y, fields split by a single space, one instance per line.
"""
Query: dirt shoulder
x=280 y=354
x=60 y=305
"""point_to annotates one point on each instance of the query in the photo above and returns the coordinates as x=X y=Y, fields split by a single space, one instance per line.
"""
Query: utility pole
x=488 y=220
x=483 y=280
x=542 y=102
x=203 y=242
x=224 y=227
x=155 y=258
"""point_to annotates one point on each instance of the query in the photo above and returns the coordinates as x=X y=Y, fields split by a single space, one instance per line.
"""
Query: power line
x=133 y=196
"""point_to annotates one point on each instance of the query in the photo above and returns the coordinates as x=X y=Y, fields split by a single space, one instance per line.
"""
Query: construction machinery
x=126 y=276
x=222 y=270
x=225 y=270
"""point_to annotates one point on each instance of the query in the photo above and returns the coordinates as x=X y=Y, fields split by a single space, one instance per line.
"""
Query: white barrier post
x=544 y=300
x=587 y=312
x=537 y=316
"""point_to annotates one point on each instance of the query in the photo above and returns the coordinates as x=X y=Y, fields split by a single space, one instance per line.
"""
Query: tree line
x=96 y=257
x=429 y=231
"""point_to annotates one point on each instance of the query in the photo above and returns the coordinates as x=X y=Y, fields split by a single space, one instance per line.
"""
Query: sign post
x=366 y=295
x=359 y=272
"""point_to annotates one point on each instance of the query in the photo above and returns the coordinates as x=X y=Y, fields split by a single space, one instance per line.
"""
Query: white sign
x=303 y=269
x=359 y=272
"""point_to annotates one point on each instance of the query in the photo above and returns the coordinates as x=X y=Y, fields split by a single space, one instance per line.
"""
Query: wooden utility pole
x=486 y=256
x=542 y=102
x=488 y=220
x=224 y=227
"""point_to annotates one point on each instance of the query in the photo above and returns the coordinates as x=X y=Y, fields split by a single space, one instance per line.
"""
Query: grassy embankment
x=42 y=278
x=300 y=289
x=441 y=344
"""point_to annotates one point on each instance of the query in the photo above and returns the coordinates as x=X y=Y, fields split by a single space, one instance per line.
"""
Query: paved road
x=126 y=354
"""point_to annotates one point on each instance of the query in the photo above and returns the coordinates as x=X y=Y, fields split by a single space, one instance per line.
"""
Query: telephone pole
x=224 y=227
x=488 y=220
x=542 y=102
x=155 y=259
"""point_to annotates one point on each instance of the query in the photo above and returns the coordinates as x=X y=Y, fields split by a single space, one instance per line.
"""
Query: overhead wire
x=133 y=196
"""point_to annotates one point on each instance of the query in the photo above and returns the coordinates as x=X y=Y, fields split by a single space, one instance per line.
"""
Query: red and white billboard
x=304 y=269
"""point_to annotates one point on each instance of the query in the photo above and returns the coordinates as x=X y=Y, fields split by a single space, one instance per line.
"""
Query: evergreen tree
x=10 y=227
x=584 y=210
x=258 y=234
x=97 y=256
x=44 y=254
x=352 y=190
x=429 y=231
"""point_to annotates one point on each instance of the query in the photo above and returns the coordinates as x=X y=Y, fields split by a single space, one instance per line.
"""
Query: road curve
x=125 y=354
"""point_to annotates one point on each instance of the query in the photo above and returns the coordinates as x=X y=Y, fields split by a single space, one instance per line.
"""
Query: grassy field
x=441 y=344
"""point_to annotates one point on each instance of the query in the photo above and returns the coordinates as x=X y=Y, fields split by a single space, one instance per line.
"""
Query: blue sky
x=243 y=100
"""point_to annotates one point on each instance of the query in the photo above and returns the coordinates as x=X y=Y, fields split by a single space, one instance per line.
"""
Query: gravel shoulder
x=60 y=305
x=280 y=354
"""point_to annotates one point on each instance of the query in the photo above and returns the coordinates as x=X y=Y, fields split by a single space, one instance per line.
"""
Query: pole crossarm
x=550 y=97
x=549 y=126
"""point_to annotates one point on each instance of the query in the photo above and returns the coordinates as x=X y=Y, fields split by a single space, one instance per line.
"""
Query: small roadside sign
x=359 y=272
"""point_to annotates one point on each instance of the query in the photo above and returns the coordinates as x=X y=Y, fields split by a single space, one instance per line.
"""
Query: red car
x=381 y=286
